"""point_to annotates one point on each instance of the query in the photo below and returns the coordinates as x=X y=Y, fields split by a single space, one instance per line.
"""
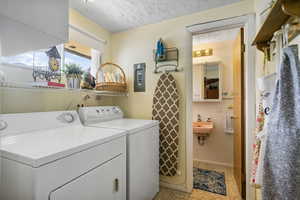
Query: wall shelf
x=169 y=60
x=281 y=11
x=15 y=85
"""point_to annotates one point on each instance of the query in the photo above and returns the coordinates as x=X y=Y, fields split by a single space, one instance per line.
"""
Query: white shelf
x=28 y=86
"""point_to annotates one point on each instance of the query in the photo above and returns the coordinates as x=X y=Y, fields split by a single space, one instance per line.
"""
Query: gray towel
x=281 y=178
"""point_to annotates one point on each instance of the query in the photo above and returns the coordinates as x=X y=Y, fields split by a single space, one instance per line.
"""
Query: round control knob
x=66 y=118
x=69 y=117
x=115 y=110
x=3 y=125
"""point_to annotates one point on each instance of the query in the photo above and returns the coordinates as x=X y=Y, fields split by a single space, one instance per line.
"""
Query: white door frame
x=248 y=23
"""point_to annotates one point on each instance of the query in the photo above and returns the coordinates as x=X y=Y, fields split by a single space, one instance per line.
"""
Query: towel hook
x=285 y=35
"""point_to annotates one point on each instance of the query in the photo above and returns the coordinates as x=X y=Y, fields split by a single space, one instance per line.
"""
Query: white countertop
x=41 y=147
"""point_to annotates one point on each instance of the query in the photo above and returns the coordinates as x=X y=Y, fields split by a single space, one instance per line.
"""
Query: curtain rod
x=90 y=35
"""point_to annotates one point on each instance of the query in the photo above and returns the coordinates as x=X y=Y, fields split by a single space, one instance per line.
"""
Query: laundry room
x=143 y=100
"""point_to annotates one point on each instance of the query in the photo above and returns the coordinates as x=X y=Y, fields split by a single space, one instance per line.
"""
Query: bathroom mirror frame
x=202 y=66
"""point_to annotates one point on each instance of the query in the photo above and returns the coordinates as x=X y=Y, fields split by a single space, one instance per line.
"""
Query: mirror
x=207 y=82
x=211 y=81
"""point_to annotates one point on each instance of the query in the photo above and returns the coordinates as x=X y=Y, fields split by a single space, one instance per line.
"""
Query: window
x=73 y=57
x=35 y=66
x=83 y=49
x=40 y=59
x=29 y=59
x=24 y=60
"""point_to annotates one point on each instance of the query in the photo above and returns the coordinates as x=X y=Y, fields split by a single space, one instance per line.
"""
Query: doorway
x=211 y=94
x=217 y=104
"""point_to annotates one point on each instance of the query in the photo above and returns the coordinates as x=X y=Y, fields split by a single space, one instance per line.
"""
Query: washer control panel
x=91 y=115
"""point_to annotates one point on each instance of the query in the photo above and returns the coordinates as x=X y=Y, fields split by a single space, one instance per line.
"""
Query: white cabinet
x=32 y=24
x=104 y=182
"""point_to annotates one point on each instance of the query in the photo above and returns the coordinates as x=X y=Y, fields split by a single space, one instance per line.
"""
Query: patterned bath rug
x=210 y=181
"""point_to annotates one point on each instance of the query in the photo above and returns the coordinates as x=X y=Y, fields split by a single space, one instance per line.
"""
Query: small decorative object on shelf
x=50 y=73
x=73 y=74
x=54 y=59
x=88 y=81
x=111 y=77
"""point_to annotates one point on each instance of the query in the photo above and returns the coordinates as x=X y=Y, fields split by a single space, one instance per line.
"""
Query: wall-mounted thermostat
x=139 y=77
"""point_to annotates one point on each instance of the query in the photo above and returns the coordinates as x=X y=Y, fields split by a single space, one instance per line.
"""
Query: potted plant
x=73 y=74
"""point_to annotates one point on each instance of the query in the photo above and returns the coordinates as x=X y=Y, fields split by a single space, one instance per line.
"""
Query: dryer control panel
x=97 y=114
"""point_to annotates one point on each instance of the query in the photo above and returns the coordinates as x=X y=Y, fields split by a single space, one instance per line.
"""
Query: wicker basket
x=111 y=86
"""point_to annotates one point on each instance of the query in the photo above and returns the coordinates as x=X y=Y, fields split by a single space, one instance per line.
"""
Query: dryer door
x=106 y=182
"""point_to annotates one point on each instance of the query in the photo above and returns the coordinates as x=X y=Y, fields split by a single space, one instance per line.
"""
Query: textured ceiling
x=119 y=15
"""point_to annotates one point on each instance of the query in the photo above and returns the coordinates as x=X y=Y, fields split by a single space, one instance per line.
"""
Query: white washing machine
x=52 y=156
x=142 y=148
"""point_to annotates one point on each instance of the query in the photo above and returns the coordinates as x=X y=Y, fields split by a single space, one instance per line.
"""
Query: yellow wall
x=19 y=100
x=78 y=20
x=136 y=45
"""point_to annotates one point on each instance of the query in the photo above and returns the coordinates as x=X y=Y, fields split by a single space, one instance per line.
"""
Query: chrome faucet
x=199 y=118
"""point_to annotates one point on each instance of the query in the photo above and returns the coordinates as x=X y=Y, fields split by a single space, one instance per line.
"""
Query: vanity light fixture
x=203 y=52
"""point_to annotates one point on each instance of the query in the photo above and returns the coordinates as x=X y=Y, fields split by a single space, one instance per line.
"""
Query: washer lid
x=38 y=148
x=20 y=123
x=131 y=125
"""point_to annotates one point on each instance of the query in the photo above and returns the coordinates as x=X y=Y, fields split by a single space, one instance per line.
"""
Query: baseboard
x=181 y=188
x=214 y=163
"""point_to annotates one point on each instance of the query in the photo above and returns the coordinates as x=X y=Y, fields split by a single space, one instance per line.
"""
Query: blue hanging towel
x=281 y=176
x=160 y=50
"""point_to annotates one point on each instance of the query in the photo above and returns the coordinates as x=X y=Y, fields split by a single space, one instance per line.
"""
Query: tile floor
x=232 y=190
